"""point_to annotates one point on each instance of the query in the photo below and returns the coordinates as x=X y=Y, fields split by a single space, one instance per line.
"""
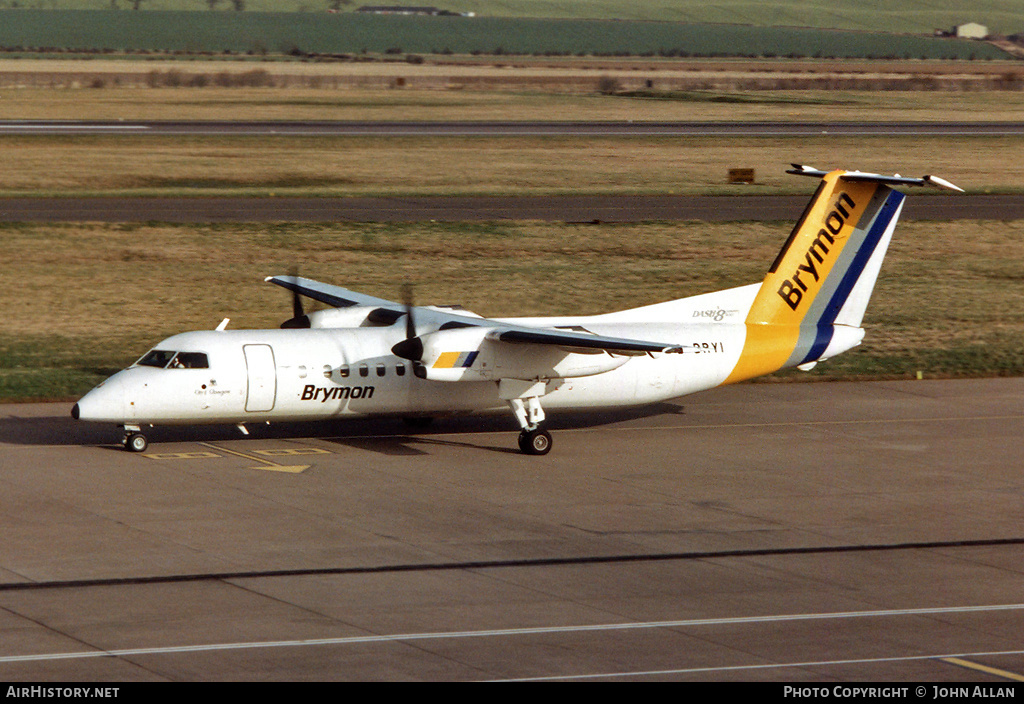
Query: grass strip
x=90 y=298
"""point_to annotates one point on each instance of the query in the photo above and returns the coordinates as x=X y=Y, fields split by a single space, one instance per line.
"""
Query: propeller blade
x=410 y=324
x=297 y=311
x=299 y=318
x=411 y=347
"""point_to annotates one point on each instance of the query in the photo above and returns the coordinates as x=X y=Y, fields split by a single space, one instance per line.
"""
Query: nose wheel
x=134 y=441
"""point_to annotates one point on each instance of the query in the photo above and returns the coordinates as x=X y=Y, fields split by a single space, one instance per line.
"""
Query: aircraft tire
x=136 y=442
x=535 y=442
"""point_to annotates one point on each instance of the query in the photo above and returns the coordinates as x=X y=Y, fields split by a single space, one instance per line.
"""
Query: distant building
x=971 y=30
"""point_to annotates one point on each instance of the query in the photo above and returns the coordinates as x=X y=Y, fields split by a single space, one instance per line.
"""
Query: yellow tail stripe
x=799 y=274
x=788 y=291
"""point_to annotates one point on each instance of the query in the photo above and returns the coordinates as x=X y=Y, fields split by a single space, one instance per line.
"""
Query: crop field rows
x=298 y=33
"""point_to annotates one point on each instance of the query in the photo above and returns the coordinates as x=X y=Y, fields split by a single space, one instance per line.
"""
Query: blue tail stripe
x=885 y=216
x=823 y=334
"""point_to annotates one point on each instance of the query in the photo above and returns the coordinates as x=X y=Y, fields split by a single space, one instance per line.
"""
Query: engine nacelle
x=469 y=354
x=352 y=317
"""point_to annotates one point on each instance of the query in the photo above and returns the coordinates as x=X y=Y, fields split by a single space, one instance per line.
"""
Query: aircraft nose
x=104 y=403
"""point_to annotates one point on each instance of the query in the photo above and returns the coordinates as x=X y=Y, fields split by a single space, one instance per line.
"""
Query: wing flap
x=573 y=341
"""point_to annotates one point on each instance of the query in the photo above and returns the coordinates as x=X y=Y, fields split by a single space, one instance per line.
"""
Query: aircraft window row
x=344 y=371
x=168 y=359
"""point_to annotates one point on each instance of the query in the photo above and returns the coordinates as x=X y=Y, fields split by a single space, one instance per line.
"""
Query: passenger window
x=327 y=371
x=343 y=371
x=400 y=369
x=364 y=370
x=381 y=370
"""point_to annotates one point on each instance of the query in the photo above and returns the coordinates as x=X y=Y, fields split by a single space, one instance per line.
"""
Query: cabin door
x=262 y=373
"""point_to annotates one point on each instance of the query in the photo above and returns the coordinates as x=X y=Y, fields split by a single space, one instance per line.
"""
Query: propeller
x=299 y=318
x=411 y=347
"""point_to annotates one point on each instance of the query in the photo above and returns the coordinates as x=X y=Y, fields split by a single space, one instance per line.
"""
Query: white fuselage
x=318 y=373
x=287 y=375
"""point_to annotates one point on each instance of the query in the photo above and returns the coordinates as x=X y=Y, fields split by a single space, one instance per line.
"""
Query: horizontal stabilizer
x=895 y=180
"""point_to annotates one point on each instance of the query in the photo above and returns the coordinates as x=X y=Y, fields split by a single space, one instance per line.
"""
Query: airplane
x=368 y=356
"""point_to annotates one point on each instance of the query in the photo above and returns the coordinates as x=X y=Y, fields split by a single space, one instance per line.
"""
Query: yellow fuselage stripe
x=447 y=360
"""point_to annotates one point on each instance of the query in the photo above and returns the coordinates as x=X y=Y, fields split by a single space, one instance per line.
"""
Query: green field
x=306 y=33
x=909 y=16
x=90 y=298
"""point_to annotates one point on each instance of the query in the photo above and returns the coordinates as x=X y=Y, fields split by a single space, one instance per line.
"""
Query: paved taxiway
x=508 y=128
x=611 y=208
x=843 y=531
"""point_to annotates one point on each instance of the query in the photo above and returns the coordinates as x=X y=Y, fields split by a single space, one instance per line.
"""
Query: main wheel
x=535 y=442
x=136 y=442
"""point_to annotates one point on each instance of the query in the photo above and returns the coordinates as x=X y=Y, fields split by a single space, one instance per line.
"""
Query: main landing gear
x=533 y=440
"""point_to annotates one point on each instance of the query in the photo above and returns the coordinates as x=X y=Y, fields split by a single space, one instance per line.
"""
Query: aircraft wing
x=442 y=321
x=331 y=295
x=572 y=340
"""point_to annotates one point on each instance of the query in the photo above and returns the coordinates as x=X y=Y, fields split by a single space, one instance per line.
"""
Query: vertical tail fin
x=825 y=273
x=843 y=227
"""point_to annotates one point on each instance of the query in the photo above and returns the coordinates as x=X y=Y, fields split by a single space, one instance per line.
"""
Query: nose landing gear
x=134 y=440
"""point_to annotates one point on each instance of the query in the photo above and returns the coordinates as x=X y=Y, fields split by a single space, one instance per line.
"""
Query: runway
x=518 y=128
x=837 y=532
x=577 y=208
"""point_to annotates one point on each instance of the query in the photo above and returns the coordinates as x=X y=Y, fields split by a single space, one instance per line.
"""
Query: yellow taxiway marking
x=1005 y=674
x=269 y=465
x=291 y=452
x=180 y=455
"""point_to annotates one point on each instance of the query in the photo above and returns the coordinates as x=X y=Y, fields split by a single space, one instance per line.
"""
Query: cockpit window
x=175 y=360
x=190 y=360
x=156 y=358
